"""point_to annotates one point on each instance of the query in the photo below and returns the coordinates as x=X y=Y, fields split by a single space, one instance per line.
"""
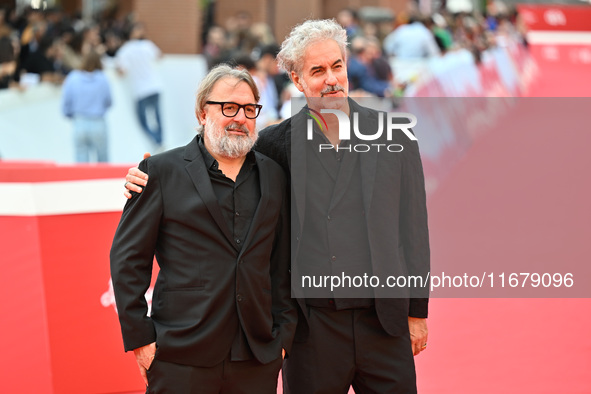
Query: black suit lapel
x=368 y=160
x=200 y=177
x=260 y=212
x=296 y=140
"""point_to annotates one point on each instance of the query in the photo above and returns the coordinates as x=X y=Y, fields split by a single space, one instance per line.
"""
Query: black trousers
x=228 y=377
x=349 y=348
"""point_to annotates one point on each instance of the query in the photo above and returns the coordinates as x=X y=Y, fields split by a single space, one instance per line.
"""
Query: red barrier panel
x=556 y=17
x=57 y=335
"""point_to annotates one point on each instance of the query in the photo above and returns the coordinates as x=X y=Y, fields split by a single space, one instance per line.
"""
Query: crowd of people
x=51 y=46
x=46 y=45
x=372 y=44
x=50 y=43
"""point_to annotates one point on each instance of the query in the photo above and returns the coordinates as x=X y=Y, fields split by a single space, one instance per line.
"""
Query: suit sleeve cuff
x=418 y=307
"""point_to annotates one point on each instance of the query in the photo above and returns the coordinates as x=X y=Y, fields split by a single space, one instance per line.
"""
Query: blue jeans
x=90 y=136
x=154 y=127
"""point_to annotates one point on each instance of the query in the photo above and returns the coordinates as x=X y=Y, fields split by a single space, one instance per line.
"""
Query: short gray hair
x=293 y=49
x=216 y=74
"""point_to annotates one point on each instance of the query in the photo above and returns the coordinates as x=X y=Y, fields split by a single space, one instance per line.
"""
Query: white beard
x=229 y=145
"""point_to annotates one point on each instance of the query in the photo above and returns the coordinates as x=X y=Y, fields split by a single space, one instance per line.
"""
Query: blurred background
x=501 y=87
x=450 y=48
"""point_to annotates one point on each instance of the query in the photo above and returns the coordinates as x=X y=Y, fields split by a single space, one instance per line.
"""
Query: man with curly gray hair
x=364 y=212
x=367 y=343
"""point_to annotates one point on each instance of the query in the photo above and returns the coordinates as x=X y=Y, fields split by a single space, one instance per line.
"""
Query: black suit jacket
x=394 y=201
x=205 y=288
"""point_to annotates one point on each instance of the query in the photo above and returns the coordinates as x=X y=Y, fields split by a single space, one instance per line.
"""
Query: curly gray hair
x=302 y=36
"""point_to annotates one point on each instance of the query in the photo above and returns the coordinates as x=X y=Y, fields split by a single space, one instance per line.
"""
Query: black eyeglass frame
x=243 y=106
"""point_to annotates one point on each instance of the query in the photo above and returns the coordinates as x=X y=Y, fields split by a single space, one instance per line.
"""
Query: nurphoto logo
x=392 y=120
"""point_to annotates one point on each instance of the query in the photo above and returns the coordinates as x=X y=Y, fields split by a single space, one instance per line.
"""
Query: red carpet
x=519 y=193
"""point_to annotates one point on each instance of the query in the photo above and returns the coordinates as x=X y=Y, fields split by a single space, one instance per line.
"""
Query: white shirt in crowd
x=411 y=41
x=137 y=58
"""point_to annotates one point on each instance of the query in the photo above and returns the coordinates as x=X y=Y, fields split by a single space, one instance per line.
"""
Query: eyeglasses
x=230 y=109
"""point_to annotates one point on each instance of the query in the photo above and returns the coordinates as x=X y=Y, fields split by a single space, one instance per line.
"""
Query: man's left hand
x=145 y=356
x=418 y=334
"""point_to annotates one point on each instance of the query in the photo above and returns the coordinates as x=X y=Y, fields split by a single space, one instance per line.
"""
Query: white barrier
x=32 y=126
x=504 y=71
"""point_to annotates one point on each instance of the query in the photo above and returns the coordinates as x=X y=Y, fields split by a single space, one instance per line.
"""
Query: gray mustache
x=237 y=126
x=333 y=88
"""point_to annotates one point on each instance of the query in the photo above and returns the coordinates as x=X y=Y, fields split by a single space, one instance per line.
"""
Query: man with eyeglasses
x=215 y=216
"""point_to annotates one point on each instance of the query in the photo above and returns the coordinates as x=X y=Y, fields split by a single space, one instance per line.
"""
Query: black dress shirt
x=238 y=201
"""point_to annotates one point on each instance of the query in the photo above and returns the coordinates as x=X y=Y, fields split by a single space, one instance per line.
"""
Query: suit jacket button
x=239 y=298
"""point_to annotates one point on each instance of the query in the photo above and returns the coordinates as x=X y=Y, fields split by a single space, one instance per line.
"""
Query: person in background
x=265 y=86
x=34 y=27
x=85 y=99
x=349 y=19
x=215 y=49
x=360 y=72
x=379 y=66
x=137 y=60
x=113 y=42
x=268 y=63
x=237 y=29
x=441 y=33
x=46 y=61
x=411 y=41
x=264 y=76
x=259 y=36
x=71 y=47
x=7 y=53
